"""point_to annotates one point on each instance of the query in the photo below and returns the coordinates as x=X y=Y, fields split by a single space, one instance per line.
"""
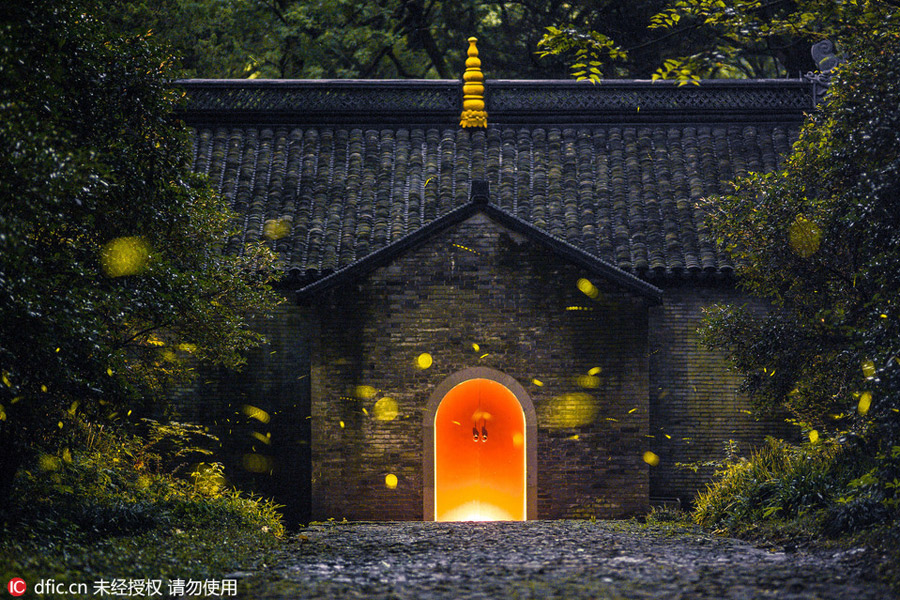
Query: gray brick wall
x=479 y=284
x=695 y=402
x=329 y=361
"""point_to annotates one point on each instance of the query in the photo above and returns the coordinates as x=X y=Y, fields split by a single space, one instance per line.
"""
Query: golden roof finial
x=473 y=114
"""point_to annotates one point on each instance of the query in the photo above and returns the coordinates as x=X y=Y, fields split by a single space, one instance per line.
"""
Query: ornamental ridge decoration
x=374 y=99
x=502 y=96
x=612 y=98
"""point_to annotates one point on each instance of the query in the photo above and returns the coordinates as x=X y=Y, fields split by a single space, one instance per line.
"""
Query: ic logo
x=17 y=586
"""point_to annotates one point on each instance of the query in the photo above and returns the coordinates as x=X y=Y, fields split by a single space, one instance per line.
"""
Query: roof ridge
x=389 y=102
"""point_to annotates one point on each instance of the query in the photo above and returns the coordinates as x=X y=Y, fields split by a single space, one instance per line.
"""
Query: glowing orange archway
x=480 y=454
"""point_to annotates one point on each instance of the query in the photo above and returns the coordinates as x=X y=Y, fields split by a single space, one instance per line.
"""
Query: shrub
x=779 y=480
x=104 y=510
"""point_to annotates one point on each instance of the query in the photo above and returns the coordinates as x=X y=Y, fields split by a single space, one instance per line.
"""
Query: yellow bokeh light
x=476 y=347
x=48 y=462
x=804 y=236
x=651 y=458
x=595 y=371
x=587 y=288
x=364 y=392
x=390 y=481
x=275 y=229
x=424 y=360
x=125 y=256
x=865 y=403
x=256 y=413
x=386 y=409
x=587 y=381
x=257 y=463
x=868 y=369
x=570 y=410
x=813 y=436
x=265 y=439
x=537 y=382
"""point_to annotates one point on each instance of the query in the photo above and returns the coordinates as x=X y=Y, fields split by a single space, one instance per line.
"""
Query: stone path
x=550 y=559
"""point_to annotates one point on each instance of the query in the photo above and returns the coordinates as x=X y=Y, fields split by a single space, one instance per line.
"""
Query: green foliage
x=332 y=39
x=591 y=49
x=819 y=240
x=387 y=39
x=105 y=511
x=841 y=485
x=668 y=514
x=113 y=278
x=746 y=38
x=778 y=481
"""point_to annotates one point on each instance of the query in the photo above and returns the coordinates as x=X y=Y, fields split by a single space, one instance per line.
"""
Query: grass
x=832 y=495
x=113 y=509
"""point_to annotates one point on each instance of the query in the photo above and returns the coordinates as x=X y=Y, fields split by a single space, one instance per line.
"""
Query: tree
x=386 y=39
x=111 y=263
x=734 y=38
x=820 y=239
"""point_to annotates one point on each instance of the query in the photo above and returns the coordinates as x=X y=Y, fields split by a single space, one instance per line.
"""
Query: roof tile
x=627 y=194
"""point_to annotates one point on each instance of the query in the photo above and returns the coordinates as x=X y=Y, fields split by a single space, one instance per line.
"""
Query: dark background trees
x=426 y=38
x=111 y=270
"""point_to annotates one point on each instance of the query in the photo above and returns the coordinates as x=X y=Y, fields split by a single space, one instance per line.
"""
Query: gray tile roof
x=620 y=186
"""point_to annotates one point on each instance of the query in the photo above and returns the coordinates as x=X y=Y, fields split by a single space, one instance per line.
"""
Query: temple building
x=493 y=289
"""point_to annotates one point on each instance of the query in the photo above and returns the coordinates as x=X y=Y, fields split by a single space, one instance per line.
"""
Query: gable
x=479 y=209
x=477 y=295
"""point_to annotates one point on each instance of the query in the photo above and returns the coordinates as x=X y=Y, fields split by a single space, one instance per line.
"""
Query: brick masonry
x=695 y=403
x=610 y=378
x=478 y=283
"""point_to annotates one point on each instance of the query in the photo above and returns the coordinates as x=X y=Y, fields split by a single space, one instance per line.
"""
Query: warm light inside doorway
x=479 y=454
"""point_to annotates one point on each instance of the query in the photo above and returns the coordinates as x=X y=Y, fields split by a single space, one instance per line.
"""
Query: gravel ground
x=550 y=559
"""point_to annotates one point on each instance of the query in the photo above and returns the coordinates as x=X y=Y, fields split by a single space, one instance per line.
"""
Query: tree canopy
x=726 y=38
x=111 y=262
x=407 y=38
x=819 y=239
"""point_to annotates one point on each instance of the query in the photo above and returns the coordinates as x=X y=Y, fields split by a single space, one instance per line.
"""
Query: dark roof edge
x=385 y=254
x=575 y=255
x=429 y=101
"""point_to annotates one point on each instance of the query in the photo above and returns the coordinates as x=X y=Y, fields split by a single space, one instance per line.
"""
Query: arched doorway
x=480 y=449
